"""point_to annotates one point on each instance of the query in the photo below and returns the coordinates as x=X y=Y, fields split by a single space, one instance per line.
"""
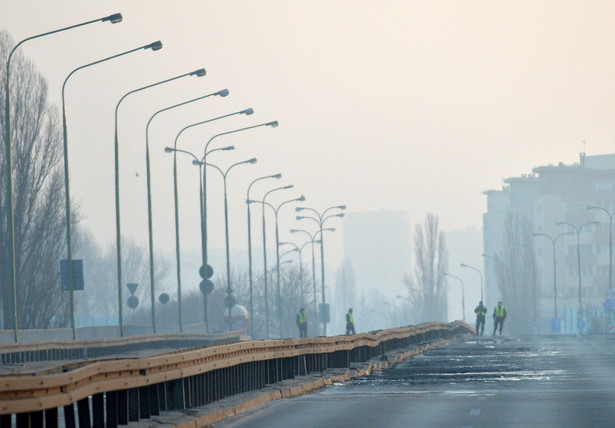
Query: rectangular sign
x=77 y=275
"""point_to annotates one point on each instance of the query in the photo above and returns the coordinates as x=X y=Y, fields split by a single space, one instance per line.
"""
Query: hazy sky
x=383 y=105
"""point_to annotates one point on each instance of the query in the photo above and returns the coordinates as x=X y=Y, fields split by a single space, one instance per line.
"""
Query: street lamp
x=198 y=73
x=463 y=293
x=221 y=93
x=577 y=230
x=265 y=269
x=69 y=250
x=229 y=290
x=554 y=241
x=206 y=286
x=205 y=273
x=481 y=277
x=313 y=240
x=610 y=214
x=276 y=176
x=320 y=219
x=276 y=210
x=114 y=19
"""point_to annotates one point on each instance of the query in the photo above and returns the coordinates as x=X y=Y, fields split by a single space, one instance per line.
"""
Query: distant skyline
x=415 y=106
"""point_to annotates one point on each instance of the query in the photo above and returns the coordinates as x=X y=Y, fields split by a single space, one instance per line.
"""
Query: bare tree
x=427 y=289
x=38 y=201
x=515 y=268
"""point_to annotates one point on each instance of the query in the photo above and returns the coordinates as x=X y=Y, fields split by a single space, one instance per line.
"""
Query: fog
x=414 y=106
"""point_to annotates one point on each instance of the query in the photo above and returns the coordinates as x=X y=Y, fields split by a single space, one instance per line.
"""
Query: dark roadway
x=552 y=381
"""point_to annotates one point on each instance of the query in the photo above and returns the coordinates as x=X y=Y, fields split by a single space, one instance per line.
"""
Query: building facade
x=556 y=201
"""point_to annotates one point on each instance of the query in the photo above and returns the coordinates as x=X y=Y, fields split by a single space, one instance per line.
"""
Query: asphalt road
x=484 y=382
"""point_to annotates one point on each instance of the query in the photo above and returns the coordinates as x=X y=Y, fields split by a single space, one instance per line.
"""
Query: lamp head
x=228 y=148
x=247 y=111
x=339 y=215
x=290 y=186
x=273 y=124
x=299 y=209
x=332 y=229
x=301 y=198
x=114 y=19
x=195 y=162
x=278 y=176
x=463 y=265
x=199 y=73
x=253 y=160
x=294 y=230
x=169 y=149
x=222 y=93
x=341 y=207
x=156 y=46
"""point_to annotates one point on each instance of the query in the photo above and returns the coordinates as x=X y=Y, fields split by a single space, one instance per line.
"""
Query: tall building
x=549 y=196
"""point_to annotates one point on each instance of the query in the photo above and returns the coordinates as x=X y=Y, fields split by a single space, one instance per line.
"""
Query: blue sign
x=556 y=325
x=609 y=305
x=77 y=275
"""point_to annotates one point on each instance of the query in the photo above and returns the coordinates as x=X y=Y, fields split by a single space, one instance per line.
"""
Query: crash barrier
x=54 y=350
x=94 y=332
x=116 y=392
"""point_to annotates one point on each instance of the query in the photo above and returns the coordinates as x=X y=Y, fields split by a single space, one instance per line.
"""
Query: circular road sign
x=133 y=302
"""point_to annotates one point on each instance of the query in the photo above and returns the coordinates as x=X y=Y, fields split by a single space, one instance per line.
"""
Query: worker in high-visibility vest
x=302 y=323
x=349 y=322
x=481 y=314
x=499 y=315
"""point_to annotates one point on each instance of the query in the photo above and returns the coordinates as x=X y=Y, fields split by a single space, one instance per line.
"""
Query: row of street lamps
x=206 y=270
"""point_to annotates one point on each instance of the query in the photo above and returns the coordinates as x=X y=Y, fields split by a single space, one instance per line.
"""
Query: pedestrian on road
x=499 y=315
x=302 y=323
x=349 y=322
x=481 y=313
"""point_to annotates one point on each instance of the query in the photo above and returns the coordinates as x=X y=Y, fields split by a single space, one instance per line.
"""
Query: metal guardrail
x=53 y=350
x=116 y=392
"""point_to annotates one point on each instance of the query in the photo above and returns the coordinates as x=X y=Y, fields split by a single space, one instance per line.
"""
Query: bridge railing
x=116 y=392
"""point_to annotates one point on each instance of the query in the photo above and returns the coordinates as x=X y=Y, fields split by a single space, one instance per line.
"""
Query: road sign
x=163 y=298
x=229 y=301
x=132 y=287
x=206 y=286
x=609 y=305
x=133 y=302
x=77 y=275
x=206 y=271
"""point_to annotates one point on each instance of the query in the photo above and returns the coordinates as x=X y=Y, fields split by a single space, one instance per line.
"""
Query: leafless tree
x=427 y=290
x=515 y=269
x=38 y=200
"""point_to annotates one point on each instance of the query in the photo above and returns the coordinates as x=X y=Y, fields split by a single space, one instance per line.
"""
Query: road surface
x=553 y=381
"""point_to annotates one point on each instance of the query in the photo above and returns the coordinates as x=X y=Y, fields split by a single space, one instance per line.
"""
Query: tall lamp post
x=67 y=210
x=481 y=278
x=313 y=240
x=205 y=271
x=206 y=285
x=610 y=214
x=150 y=232
x=114 y=19
x=577 y=231
x=198 y=73
x=463 y=293
x=229 y=291
x=276 y=176
x=265 y=268
x=276 y=211
x=320 y=219
x=553 y=242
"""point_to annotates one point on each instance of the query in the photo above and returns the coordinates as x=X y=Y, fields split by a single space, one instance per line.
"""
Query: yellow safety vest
x=302 y=317
x=499 y=311
x=349 y=317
